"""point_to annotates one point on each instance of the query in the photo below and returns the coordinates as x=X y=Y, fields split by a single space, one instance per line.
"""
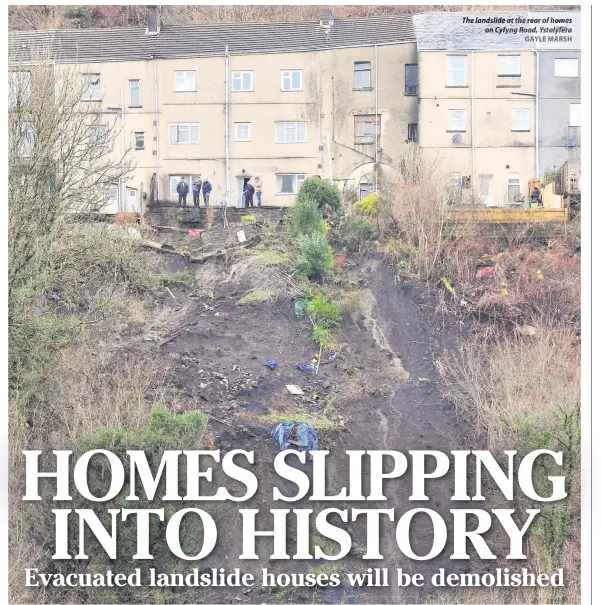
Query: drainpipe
x=227 y=127
x=377 y=121
x=536 y=113
x=472 y=129
x=156 y=126
x=122 y=179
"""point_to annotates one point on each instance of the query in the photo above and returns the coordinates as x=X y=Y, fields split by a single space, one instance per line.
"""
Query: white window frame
x=449 y=80
x=575 y=114
x=288 y=74
x=178 y=126
x=87 y=91
x=520 y=123
x=237 y=137
x=567 y=66
x=453 y=122
x=137 y=88
x=365 y=189
x=362 y=71
x=240 y=76
x=189 y=178
x=136 y=139
x=298 y=179
x=13 y=77
x=181 y=78
x=288 y=127
x=508 y=65
x=94 y=139
x=27 y=142
x=513 y=181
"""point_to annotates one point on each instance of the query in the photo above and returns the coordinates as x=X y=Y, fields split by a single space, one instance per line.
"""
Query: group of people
x=250 y=190
x=204 y=186
x=199 y=186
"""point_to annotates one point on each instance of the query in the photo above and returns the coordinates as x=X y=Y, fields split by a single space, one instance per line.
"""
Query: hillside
x=76 y=16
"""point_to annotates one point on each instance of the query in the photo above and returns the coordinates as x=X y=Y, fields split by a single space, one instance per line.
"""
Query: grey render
x=555 y=97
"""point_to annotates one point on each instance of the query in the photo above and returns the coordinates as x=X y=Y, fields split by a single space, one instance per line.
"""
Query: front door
x=241 y=182
x=485 y=189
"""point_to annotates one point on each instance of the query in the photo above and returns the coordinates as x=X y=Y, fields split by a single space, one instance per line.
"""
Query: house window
x=183 y=133
x=366 y=189
x=174 y=180
x=139 y=136
x=184 y=81
x=456 y=70
x=508 y=65
x=134 y=93
x=520 y=119
x=28 y=139
x=289 y=183
x=91 y=85
x=291 y=132
x=457 y=120
x=242 y=131
x=411 y=79
x=566 y=68
x=98 y=135
x=412 y=133
x=292 y=80
x=111 y=194
x=19 y=87
x=242 y=81
x=131 y=193
x=362 y=74
x=575 y=115
x=514 y=188
x=366 y=128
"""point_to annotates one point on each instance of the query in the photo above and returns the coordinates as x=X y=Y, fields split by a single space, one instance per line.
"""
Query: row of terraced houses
x=338 y=98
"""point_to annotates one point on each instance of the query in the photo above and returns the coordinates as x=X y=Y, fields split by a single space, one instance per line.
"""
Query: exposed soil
x=381 y=392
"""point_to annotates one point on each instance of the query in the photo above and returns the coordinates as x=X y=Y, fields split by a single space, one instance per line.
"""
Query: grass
x=256 y=296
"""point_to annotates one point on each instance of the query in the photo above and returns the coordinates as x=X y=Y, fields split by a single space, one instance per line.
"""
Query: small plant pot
x=339 y=260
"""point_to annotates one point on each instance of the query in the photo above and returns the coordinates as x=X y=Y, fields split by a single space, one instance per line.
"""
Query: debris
x=447 y=285
x=170 y=292
x=271 y=364
x=528 y=330
x=301 y=434
x=539 y=274
x=463 y=303
x=339 y=260
x=299 y=311
x=293 y=389
x=194 y=232
x=133 y=232
x=484 y=272
x=241 y=236
x=306 y=367
x=235 y=368
x=52 y=295
x=329 y=358
x=39 y=313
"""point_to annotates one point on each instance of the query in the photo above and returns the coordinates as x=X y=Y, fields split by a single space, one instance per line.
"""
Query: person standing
x=249 y=191
x=196 y=191
x=206 y=191
x=182 y=190
x=258 y=191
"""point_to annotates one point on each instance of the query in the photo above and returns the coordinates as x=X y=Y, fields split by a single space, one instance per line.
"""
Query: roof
x=131 y=43
x=447 y=31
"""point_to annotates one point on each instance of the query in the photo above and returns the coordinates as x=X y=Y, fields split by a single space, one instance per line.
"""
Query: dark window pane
x=411 y=79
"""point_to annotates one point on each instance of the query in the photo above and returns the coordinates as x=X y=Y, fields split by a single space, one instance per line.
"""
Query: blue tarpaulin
x=271 y=364
x=302 y=434
x=306 y=367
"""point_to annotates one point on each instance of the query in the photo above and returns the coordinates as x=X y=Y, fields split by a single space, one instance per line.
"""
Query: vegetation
x=315 y=257
x=305 y=217
x=323 y=192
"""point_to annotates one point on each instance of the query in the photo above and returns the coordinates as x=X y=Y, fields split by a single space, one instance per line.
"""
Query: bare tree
x=61 y=158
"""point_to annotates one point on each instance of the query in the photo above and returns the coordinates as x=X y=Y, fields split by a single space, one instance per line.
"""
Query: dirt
x=381 y=392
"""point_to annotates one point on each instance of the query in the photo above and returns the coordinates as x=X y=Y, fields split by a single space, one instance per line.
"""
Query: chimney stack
x=327 y=21
x=154 y=21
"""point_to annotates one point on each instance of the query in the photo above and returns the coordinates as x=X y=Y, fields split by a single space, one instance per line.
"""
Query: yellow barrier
x=510 y=215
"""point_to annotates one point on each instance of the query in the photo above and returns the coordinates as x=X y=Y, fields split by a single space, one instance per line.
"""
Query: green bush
x=354 y=231
x=315 y=256
x=305 y=217
x=324 y=312
x=323 y=192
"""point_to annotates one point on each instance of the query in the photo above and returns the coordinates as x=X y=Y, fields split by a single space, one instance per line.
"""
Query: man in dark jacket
x=249 y=191
x=206 y=191
x=182 y=190
x=196 y=191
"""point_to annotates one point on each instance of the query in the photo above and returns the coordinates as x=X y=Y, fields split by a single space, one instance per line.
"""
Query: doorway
x=241 y=183
x=485 y=189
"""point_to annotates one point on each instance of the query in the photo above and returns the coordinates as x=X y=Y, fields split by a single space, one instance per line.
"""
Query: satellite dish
x=457 y=138
x=572 y=141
